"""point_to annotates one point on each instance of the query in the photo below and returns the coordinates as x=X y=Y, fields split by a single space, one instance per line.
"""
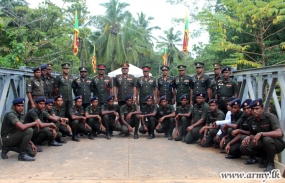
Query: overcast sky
x=161 y=11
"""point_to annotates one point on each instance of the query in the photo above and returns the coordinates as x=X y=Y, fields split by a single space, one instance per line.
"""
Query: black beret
x=59 y=96
x=40 y=99
x=94 y=98
x=162 y=98
x=235 y=102
x=148 y=97
x=111 y=97
x=226 y=69
x=246 y=103
x=49 y=101
x=184 y=96
x=129 y=96
x=201 y=94
x=256 y=102
x=213 y=101
x=77 y=97
x=44 y=66
x=18 y=101
x=38 y=68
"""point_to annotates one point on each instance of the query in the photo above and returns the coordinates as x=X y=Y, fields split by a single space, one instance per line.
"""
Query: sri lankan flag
x=186 y=35
x=164 y=57
x=94 y=60
x=75 y=43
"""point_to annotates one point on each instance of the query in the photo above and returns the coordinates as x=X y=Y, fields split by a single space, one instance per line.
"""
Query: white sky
x=161 y=11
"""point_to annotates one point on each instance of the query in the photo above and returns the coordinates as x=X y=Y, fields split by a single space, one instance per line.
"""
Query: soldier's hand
x=224 y=129
x=137 y=102
x=158 y=126
x=54 y=133
x=223 y=142
x=191 y=103
x=214 y=124
x=34 y=148
x=68 y=128
x=102 y=128
x=128 y=117
x=116 y=99
x=145 y=128
x=37 y=125
x=256 y=138
x=227 y=148
x=66 y=120
x=52 y=125
x=202 y=130
x=190 y=128
x=33 y=105
x=218 y=138
x=130 y=128
x=116 y=114
x=161 y=119
x=177 y=117
x=86 y=126
x=235 y=132
x=173 y=101
x=246 y=141
x=117 y=121
x=99 y=118
x=176 y=133
x=203 y=141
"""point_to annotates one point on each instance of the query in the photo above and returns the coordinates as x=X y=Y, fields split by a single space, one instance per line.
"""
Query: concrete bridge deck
x=124 y=159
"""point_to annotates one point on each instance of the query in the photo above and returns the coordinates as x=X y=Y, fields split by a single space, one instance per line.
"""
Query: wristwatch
x=261 y=134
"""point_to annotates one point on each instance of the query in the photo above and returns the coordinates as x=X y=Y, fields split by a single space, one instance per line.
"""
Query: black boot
x=264 y=162
x=151 y=134
x=4 y=152
x=108 y=135
x=60 y=140
x=170 y=135
x=54 y=143
x=183 y=136
x=136 y=136
x=270 y=166
x=91 y=136
x=75 y=137
x=24 y=157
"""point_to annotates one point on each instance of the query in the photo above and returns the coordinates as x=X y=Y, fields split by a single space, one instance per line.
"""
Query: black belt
x=223 y=98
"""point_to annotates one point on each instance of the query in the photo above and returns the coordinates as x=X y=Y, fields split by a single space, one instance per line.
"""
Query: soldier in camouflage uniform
x=35 y=87
x=101 y=85
x=124 y=84
x=165 y=86
x=17 y=136
x=63 y=86
x=82 y=86
x=216 y=79
x=181 y=84
x=182 y=119
x=146 y=85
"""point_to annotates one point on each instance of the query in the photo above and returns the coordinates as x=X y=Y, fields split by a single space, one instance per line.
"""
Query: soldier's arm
x=235 y=90
x=186 y=114
x=87 y=115
x=56 y=85
x=29 y=95
x=191 y=96
x=209 y=91
x=92 y=85
x=234 y=140
x=172 y=115
x=110 y=86
x=243 y=132
x=22 y=126
x=123 y=120
x=199 y=122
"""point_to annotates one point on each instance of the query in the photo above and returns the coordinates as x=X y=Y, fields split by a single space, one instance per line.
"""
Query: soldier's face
x=165 y=73
x=247 y=111
x=229 y=106
x=41 y=105
x=44 y=72
x=111 y=102
x=49 y=71
x=101 y=71
x=125 y=70
x=49 y=107
x=217 y=71
x=226 y=74
x=184 y=102
x=19 y=108
x=149 y=102
x=129 y=102
x=181 y=72
x=145 y=73
x=200 y=100
x=65 y=70
x=78 y=102
x=94 y=103
x=235 y=109
x=59 y=102
x=257 y=111
x=199 y=70
x=37 y=74
x=83 y=74
x=213 y=107
x=163 y=103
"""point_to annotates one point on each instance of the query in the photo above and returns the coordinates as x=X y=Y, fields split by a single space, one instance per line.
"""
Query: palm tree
x=109 y=44
x=170 y=42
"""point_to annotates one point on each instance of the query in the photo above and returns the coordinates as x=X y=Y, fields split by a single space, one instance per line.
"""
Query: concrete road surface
x=124 y=159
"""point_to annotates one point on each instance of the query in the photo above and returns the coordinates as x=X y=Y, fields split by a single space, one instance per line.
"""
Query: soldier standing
x=146 y=85
x=182 y=84
x=101 y=85
x=48 y=87
x=35 y=87
x=124 y=84
x=82 y=86
x=50 y=81
x=226 y=88
x=216 y=79
x=63 y=85
x=15 y=133
x=200 y=83
x=165 y=85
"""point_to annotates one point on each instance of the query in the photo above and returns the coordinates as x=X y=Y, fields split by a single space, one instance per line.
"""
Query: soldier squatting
x=207 y=110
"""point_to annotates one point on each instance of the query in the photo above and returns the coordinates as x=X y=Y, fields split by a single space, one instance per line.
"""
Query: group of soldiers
x=207 y=110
